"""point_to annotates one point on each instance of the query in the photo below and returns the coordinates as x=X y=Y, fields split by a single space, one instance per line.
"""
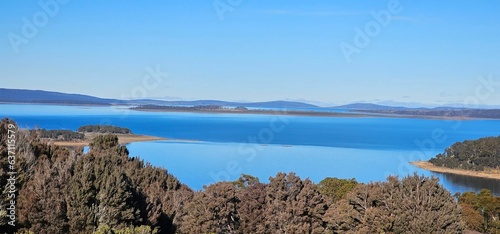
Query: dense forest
x=104 y=129
x=61 y=190
x=478 y=155
x=63 y=135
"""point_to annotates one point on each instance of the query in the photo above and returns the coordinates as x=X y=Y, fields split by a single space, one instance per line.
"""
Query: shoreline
x=259 y=112
x=310 y=114
x=353 y=114
x=123 y=139
x=481 y=174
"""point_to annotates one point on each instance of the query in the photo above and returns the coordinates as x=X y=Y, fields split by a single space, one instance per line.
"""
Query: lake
x=211 y=147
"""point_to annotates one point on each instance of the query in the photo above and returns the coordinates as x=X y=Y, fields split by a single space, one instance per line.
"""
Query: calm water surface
x=218 y=147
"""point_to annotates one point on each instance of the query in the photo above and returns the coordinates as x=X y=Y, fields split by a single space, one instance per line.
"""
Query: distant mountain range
x=376 y=107
x=40 y=96
x=47 y=97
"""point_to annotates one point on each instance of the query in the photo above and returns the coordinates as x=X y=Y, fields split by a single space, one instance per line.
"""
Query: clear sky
x=429 y=52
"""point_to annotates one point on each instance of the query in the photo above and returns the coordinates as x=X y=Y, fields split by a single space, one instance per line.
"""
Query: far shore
x=261 y=112
x=482 y=174
x=122 y=139
x=307 y=113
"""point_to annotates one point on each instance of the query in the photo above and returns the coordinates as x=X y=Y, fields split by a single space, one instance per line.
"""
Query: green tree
x=336 y=189
x=245 y=180
x=81 y=196
x=116 y=202
x=483 y=205
x=105 y=144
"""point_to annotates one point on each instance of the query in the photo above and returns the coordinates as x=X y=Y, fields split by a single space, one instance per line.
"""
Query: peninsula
x=479 y=158
x=122 y=139
x=84 y=135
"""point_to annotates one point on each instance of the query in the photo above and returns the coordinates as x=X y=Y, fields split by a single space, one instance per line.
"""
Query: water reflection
x=462 y=183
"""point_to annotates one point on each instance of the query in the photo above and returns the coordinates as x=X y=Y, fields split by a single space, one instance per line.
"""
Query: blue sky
x=428 y=52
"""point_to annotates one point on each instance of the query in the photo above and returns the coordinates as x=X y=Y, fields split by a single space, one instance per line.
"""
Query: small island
x=479 y=158
x=84 y=135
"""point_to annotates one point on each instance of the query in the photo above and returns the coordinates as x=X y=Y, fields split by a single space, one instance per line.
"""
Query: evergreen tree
x=251 y=208
x=42 y=204
x=116 y=202
x=293 y=205
x=81 y=197
x=336 y=189
x=398 y=206
x=214 y=210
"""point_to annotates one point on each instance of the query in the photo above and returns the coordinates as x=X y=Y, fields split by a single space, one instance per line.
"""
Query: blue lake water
x=214 y=147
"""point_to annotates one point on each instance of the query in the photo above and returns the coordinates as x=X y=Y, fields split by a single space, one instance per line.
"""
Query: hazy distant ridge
x=40 y=96
x=368 y=106
x=47 y=97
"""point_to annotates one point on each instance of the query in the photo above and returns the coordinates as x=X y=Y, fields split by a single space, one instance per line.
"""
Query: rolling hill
x=40 y=96
x=47 y=97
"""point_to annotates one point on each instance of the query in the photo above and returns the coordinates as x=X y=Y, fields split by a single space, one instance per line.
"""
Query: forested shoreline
x=63 y=190
x=63 y=135
x=103 y=129
x=477 y=155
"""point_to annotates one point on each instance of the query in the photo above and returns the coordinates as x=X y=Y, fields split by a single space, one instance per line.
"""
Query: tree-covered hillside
x=475 y=155
x=40 y=96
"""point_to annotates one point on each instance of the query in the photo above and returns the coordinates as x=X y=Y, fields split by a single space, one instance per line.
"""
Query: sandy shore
x=483 y=174
x=122 y=139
